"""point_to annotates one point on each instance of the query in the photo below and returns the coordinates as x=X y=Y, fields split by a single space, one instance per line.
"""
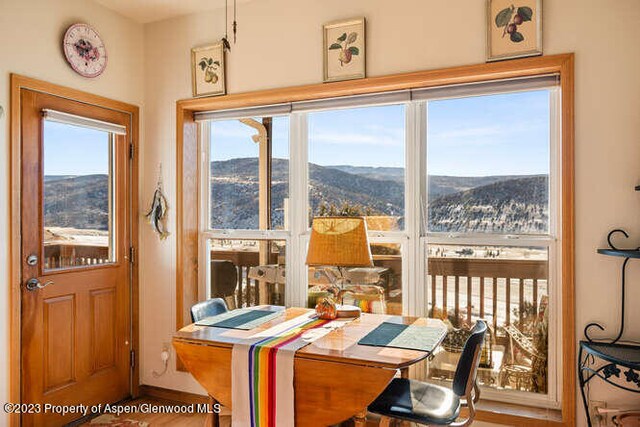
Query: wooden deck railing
x=500 y=276
x=62 y=255
x=468 y=281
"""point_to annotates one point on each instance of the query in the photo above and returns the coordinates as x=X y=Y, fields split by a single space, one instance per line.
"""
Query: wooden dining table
x=335 y=378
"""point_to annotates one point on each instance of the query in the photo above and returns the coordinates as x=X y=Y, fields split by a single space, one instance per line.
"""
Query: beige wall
x=30 y=44
x=279 y=45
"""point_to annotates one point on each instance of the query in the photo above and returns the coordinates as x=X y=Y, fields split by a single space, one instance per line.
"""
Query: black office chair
x=208 y=308
x=430 y=404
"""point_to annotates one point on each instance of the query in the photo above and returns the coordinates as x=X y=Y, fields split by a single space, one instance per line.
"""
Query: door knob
x=33 y=284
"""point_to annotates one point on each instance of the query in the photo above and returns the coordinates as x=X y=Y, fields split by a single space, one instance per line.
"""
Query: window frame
x=550 y=240
x=561 y=64
x=415 y=237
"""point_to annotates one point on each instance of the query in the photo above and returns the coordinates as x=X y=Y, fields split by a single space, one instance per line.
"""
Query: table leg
x=404 y=373
x=360 y=419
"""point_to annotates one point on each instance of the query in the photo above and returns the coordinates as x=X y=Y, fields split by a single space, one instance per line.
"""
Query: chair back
x=207 y=308
x=224 y=278
x=465 y=375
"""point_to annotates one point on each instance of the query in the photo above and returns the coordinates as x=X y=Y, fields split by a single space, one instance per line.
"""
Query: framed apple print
x=514 y=29
x=344 y=50
x=85 y=51
x=207 y=70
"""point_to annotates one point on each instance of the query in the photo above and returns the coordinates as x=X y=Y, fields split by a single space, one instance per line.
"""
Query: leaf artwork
x=503 y=17
x=526 y=13
x=346 y=52
x=510 y=18
x=210 y=68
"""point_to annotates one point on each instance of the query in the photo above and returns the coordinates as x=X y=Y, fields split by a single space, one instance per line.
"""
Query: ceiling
x=145 y=11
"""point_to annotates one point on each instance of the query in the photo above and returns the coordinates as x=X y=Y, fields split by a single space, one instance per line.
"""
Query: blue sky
x=74 y=150
x=476 y=136
x=487 y=135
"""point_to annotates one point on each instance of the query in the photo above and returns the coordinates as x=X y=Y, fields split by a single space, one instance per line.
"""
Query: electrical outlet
x=598 y=419
x=166 y=351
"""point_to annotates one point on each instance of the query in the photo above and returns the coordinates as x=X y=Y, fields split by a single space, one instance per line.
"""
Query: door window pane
x=78 y=196
x=247 y=272
x=356 y=164
x=509 y=288
x=236 y=158
x=488 y=163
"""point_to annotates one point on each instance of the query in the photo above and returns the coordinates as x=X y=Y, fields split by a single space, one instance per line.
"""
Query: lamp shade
x=339 y=241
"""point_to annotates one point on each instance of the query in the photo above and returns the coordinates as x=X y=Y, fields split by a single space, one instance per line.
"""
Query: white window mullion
x=204 y=202
x=298 y=211
x=413 y=295
x=555 y=347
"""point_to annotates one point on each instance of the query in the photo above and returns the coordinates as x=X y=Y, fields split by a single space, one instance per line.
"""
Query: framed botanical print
x=207 y=70
x=344 y=51
x=514 y=29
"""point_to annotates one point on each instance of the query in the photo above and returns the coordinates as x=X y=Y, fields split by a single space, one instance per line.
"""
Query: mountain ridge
x=503 y=204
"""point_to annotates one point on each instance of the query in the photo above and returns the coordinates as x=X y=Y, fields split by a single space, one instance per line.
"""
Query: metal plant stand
x=619 y=359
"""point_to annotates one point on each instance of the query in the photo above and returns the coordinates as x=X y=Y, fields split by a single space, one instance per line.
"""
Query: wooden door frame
x=18 y=84
x=187 y=176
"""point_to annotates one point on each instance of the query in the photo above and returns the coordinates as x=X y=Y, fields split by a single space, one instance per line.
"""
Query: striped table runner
x=262 y=371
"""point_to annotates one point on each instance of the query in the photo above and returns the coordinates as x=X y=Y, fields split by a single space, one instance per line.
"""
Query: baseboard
x=173 y=395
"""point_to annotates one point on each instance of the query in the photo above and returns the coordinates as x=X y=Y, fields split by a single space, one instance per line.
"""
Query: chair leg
x=384 y=421
x=213 y=418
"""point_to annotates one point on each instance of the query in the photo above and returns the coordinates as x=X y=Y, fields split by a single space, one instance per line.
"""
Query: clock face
x=85 y=50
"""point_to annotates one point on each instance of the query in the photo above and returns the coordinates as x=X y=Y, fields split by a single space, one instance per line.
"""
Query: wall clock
x=85 y=50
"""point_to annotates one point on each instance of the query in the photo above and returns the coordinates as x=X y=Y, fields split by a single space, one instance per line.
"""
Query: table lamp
x=341 y=242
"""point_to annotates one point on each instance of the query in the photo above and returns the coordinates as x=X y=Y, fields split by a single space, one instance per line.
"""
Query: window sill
x=512 y=414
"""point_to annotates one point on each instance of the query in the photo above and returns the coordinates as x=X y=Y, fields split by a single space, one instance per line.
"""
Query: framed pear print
x=514 y=29
x=207 y=70
x=344 y=50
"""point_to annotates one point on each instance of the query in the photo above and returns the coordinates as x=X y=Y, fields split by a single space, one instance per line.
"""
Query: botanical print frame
x=344 y=52
x=207 y=70
x=514 y=29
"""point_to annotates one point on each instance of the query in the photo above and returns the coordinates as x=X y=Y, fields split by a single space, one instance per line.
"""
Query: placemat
x=411 y=337
x=242 y=318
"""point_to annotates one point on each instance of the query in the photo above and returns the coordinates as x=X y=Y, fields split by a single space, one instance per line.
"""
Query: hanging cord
x=225 y=40
x=159 y=181
x=235 y=23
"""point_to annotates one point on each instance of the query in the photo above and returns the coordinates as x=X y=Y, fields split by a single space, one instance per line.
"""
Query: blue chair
x=430 y=404
x=208 y=308
x=199 y=311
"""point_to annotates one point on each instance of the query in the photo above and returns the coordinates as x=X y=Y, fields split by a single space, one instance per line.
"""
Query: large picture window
x=460 y=191
x=490 y=233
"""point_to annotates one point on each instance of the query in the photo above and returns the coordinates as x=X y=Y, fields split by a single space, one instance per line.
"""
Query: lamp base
x=346 y=311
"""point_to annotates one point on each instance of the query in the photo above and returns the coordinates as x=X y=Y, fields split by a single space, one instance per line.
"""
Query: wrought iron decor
x=627 y=254
x=621 y=361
